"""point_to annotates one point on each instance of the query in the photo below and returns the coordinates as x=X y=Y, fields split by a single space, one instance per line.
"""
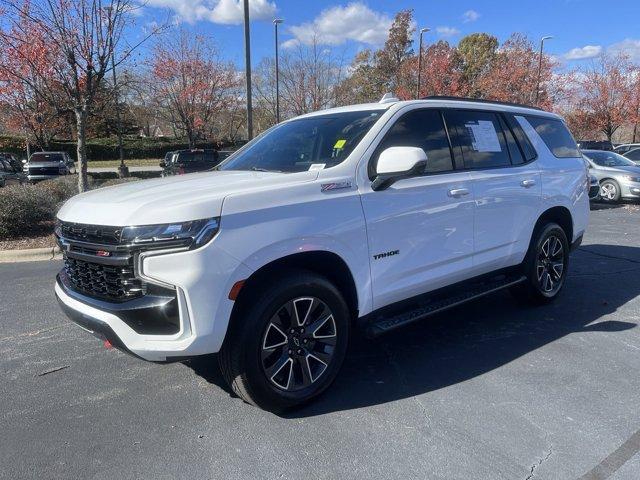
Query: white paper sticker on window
x=484 y=137
x=317 y=166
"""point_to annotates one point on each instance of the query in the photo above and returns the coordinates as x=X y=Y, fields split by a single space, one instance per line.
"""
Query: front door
x=420 y=229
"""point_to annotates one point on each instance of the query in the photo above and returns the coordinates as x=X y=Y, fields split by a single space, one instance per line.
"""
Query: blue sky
x=582 y=29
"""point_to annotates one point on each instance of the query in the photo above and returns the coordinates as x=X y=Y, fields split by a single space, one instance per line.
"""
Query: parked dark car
x=46 y=165
x=595 y=145
x=12 y=159
x=10 y=172
x=633 y=155
x=190 y=161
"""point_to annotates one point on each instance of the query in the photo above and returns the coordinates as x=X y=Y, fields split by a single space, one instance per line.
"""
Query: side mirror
x=396 y=163
x=162 y=164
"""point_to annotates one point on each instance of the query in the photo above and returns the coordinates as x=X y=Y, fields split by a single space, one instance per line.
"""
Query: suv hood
x=172 y=199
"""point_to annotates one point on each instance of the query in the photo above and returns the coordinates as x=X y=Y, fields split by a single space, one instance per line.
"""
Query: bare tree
x=87 y=38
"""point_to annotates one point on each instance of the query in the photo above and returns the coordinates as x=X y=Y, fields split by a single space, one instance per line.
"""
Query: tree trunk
x=635 y=132
x=81 y=132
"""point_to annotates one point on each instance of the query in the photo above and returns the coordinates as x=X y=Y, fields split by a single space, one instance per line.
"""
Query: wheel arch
x=322 y=262
x=560 y=215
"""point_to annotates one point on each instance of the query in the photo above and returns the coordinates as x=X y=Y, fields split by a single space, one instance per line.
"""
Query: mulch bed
x=42 y=236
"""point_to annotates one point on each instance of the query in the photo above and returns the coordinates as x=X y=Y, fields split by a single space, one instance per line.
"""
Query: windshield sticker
x=483 y=135
x=340 y=144
x=317 y=166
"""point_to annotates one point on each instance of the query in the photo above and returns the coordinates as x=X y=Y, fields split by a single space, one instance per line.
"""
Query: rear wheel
x=545 y=265
x=610 y=191
x=288 y=344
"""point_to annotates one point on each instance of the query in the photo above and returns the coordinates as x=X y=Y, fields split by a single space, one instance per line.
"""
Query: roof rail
x=388 y=98
x=479 y=100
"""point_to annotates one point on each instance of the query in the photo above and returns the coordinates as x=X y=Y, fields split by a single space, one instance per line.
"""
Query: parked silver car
x=619 y=177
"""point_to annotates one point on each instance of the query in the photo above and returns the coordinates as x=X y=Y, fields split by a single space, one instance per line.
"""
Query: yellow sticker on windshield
x=340 y=144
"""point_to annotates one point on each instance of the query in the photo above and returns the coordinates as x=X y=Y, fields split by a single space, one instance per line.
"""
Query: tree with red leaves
x=604 y=96
x=77 y=44
x=192 y=84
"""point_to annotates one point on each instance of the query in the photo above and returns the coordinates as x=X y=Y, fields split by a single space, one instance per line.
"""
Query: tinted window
x=317 y=142
x=479 y=137
x=47 y=157
x=423 y=129
x=555 y=135
x=514 y=150
x=608 y=159
x=634 y=154
x=523 y=141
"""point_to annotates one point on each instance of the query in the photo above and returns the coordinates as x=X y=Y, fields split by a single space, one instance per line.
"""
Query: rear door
x=420 y=229
x=506 y=184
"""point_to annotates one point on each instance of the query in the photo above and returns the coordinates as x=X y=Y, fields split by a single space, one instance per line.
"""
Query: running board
x=384 y=324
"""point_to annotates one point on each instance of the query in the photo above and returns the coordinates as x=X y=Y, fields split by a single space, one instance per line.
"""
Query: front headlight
x=630 y=178
x=193 y=234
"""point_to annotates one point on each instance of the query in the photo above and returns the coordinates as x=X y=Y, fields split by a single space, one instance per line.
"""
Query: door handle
x=528 y=183
x=458 y=192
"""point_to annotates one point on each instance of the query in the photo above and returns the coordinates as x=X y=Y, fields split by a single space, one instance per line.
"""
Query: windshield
x=311 y=143
x=47 y=157
x=609 y=159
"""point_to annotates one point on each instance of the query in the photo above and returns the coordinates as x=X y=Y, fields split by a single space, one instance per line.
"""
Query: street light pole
x=276 y=22
x=247 y=67
x=422 y=32
x=123 y=171
x=548 y=37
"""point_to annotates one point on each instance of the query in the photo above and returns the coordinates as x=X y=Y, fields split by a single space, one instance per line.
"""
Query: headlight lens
x=194 y=234
x=630 y=178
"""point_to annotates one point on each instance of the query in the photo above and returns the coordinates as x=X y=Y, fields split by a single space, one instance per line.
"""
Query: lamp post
x=123 y=171
x=276 y=22
x=247 y=67
x=422 y=32
x=547 y=37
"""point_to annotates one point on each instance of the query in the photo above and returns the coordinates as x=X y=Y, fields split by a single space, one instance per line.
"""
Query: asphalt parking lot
x=486 y=391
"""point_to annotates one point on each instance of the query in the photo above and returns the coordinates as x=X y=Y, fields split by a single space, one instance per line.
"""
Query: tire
x=287 y=341
x=545 y=266
x=610 y=191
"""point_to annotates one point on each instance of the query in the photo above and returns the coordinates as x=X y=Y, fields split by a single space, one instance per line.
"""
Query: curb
x=30 y=255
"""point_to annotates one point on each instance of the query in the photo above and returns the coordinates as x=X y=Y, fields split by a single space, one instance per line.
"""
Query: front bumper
x=197 y=283
x=38 y=178
x=631 y=190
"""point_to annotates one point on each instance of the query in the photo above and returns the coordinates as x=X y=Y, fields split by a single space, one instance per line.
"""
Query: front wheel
x=288 y=343
x=545 y=265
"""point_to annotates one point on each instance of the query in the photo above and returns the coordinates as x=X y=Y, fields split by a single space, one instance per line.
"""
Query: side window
x=423 y=129
x=479 y=137
x=634 y=154
x=525 y=144
x=514 y=150
x=555 y=135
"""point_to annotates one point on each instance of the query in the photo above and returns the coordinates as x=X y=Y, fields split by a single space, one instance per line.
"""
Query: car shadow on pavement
x=474 y=339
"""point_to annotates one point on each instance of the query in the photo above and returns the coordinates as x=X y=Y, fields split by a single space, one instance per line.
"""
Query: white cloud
x=336 y=25
x=447 y=31
x=470 y=16
x=583 y=53
x=629 y=47
x=217 y=11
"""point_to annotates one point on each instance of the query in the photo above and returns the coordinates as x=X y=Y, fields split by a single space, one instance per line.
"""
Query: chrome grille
x=110 y=282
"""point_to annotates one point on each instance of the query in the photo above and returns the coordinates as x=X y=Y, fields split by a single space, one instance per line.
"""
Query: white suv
x=370 y=216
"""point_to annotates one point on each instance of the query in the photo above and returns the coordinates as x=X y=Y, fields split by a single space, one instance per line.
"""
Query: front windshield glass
x=609 y=159
x=312 y=143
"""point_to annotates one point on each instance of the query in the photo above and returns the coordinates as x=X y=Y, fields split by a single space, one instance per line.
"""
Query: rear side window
x=634 y=154
x=555 y=135
x=528 y=151
x=423 y=129
x=479 y=137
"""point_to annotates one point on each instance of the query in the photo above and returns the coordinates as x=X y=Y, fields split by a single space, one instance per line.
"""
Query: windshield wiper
x=260 y=169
